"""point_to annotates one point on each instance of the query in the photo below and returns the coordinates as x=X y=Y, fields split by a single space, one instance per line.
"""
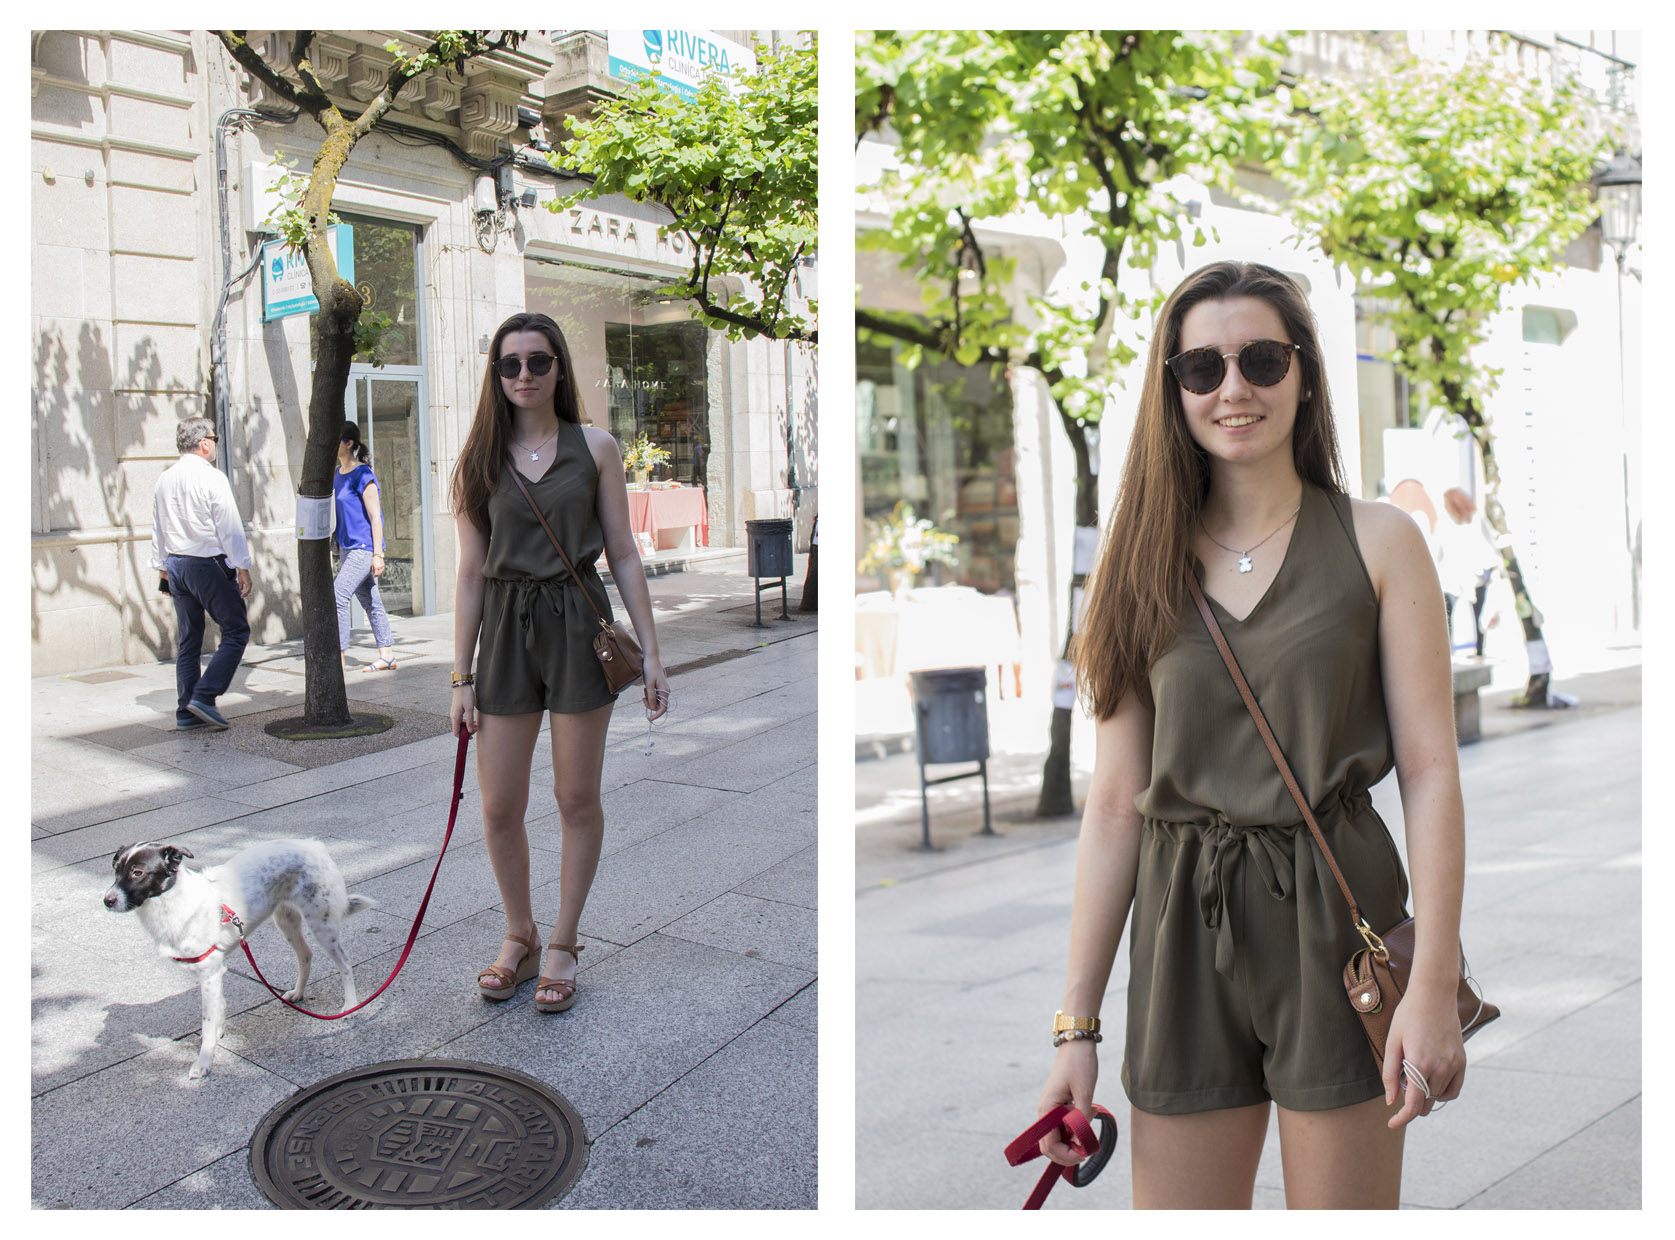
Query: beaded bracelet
x=1077 y=1035
x=460 y=680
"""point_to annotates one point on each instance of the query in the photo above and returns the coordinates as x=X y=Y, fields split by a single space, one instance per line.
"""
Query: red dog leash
x=418 y=918
x=1094 y=1151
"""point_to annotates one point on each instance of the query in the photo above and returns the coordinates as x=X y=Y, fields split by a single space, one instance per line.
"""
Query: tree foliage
x=1085 y=124
x=736 y=167
x=1083 y=127
x=1440 y=186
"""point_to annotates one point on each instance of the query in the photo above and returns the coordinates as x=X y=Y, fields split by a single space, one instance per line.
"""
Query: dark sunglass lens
x=1264 y=362
x=540 y=363
x=507 y=368
x=1198 y=370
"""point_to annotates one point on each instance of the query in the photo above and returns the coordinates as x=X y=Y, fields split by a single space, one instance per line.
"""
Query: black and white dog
x=198 y=917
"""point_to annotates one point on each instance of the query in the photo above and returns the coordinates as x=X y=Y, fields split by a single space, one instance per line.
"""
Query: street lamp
x=1618 y=189
x=1617 y=186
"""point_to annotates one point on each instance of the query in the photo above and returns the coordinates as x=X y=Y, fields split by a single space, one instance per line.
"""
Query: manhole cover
x=436 y=1134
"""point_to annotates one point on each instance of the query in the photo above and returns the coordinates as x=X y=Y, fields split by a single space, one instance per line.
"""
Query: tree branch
x=236 y=43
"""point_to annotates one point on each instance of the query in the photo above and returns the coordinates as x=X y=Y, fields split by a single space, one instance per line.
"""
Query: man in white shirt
x=199 y=550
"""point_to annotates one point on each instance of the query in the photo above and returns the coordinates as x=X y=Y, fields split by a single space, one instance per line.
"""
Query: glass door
x=388 y=409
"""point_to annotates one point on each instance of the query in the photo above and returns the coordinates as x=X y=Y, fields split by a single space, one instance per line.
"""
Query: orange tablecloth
x=652 y=511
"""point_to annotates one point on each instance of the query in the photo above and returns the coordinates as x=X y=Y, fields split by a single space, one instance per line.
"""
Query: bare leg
x=1205 y=1161
x=505 y=749
x=1342 y=1159
x=578 y=762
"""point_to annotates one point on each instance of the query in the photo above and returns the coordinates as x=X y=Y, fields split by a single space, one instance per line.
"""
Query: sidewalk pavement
x=960 y=959
x=694 y=1031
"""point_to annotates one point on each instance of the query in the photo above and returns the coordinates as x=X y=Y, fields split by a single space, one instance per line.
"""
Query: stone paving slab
x=739 y=766
x=793 y=881
x=758 y=1152
x=754 y=927
x=95 y=1148
x=801 y=1010
x=1568 y=1176
x=105 y=755
x=224 y=1184
x=90 y=1012
x=432 y=1001
x=654 y=883
x=644 y=1018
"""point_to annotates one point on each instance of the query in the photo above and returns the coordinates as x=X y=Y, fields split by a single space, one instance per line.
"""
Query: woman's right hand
x=463 y=710
x=1070 y=1083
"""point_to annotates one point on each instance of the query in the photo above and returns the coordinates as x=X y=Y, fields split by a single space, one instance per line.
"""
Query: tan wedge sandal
x=566 y=987
x=508 y=981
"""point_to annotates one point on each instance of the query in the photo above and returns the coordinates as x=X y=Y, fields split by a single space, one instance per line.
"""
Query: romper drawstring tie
x=1224 y=847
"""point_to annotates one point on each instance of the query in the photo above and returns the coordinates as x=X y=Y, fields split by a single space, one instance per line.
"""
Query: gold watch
x=1064 y=1024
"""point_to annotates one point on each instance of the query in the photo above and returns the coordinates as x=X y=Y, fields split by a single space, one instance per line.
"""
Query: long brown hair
x=483 y=457
x=1136 y=596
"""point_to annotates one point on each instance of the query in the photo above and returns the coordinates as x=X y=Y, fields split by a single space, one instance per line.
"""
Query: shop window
x=940 y=437
x=658 y=388
x=641 y=359
x=386 y=275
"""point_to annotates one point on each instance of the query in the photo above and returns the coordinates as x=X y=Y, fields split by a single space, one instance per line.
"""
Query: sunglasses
x=1262 y=362
x=539 y=364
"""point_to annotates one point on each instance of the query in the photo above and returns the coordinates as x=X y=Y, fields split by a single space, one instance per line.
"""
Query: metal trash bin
x=768 y=548
x=951 y=724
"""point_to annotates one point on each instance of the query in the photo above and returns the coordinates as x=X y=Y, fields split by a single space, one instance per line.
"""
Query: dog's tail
x=359 y=904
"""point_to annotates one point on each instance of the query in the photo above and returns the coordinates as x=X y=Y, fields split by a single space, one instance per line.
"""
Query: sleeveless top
x=519 y=548
x=1309 y=649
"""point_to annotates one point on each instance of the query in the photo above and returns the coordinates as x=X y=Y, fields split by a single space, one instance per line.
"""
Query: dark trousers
x=200 y=585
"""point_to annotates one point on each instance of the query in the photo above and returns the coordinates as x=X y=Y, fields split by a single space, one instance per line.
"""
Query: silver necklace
x=535 y=453
x=1244 y=556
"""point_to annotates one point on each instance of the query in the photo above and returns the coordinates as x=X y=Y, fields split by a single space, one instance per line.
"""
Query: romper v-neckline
x=551 y=465
x=1202 y=571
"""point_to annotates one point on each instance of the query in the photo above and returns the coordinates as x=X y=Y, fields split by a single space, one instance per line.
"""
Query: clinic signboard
x=286 y=286
x=684 y=57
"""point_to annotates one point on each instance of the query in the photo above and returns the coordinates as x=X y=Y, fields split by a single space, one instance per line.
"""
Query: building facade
x=148 y=192
x=989 y=461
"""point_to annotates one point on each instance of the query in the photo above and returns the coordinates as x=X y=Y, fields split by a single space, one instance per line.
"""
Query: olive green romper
x=1239 y=933
x=536 y=647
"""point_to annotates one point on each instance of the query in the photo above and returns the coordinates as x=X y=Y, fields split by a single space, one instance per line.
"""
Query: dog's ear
x=172 y=855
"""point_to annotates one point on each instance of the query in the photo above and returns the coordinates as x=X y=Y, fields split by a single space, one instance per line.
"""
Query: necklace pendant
x=1244 y=563
x=534 y=456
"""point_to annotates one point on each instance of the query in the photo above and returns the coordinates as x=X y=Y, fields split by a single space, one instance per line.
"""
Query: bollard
x=951 y=724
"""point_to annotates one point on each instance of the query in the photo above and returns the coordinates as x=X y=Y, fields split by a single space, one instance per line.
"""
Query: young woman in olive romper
x=525 y=618
x=1239 y=934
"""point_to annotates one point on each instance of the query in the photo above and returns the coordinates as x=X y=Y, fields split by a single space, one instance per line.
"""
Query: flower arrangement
x=642 y=456
x=902 y=545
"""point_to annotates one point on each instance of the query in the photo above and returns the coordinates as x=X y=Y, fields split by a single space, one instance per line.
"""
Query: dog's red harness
x=227 y=915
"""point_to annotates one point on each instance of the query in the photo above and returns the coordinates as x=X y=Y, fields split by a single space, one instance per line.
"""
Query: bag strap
x=511 y=464
x=1272 y=744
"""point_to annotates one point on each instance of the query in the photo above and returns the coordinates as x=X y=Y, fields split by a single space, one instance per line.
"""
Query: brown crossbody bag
x=618 y=653
x=1376 y=976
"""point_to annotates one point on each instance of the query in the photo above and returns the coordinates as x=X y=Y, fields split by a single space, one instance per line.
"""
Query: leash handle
x=1095 y=1151
x=418 y=918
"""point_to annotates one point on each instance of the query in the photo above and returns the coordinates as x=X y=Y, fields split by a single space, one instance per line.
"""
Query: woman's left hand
x=1425 y=1031
x=377 y=566
x=656 y=694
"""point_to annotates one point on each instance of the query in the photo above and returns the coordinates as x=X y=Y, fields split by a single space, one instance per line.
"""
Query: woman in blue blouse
x=360 y=541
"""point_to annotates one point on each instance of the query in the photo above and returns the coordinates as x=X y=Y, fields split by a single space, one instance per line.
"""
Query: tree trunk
x=325 y=701
x=1537 y=685
x=1056 y=799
